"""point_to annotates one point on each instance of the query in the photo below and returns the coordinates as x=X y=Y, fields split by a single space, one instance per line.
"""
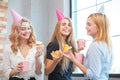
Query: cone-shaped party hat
x=16 y=17
x=59 y=14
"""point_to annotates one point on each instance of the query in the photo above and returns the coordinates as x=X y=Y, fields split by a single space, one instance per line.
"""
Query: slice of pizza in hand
x=56 y=54
x=39 y=44
x=66 y=48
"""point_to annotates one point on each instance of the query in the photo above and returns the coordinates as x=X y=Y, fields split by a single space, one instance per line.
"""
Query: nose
x=67 y=26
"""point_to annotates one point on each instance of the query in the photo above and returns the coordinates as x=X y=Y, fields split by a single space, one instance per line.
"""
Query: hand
x=39 y=51
x=20 y=33
x=81 y=44
x=69 y=55
x=58 y=57
x=18 y=68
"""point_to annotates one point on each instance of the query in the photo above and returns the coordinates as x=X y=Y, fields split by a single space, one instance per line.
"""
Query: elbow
x=38 y=72
x=46 y=72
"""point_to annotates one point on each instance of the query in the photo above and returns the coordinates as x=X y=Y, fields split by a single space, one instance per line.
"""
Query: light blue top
x=98 y=60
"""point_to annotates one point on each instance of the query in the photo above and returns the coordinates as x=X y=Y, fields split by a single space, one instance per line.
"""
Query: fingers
x=18 y=68
x=20 y=33
x=81 y=44
x=39 y=51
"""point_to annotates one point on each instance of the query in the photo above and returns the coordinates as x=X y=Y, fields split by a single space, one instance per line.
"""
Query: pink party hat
x=16 y=17
x=59 y=14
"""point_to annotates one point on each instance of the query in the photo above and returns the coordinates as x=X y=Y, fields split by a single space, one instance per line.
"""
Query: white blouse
x=11 y=60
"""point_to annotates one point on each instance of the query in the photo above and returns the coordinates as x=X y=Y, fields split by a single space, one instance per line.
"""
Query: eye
x=28 y=28
x=69 y=24
x=88 y=24
x=63 y=24
x=23 y=28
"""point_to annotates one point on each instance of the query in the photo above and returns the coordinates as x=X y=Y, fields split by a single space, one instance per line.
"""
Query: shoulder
x=53 y=44
x=99 y=47
x=7 y=47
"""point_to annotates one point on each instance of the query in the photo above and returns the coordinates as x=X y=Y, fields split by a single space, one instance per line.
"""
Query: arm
x=38 y=63
x=50 y=65
x=16 y=70
x=73 y=67
x=8 y=70
x=38 y=66
x=72 y=58
x=94 y=56
x=80 y=66
x=93 y=65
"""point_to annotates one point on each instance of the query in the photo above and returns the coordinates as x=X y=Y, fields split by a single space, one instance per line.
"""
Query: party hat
x=16 y=17
x=59 y=14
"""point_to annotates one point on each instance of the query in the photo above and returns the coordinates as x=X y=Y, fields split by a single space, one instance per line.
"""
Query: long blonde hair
x=14 y=38
x=103 y=28
x=70 y=41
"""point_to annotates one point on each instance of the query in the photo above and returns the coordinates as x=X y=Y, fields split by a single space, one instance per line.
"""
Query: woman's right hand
x=59 y=56
x=18 y=68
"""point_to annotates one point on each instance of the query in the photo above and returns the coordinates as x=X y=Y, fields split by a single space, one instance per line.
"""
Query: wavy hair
x=14 y=38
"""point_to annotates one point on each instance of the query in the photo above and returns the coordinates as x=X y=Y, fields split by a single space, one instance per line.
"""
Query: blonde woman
x=98 y=60
x=60 y=68
x=22 y=59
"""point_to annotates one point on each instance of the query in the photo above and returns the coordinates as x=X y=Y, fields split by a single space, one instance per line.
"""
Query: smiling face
x=24 y=30
x=65 y=28
x=91 y=28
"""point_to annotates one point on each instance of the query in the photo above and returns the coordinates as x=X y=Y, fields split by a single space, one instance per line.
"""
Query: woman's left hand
x=39 y=51
x=69 y=55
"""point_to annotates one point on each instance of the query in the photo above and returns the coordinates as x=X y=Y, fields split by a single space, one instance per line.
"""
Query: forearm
x=50 y=66
x=73 y=67
x=38 y=66
x=80 y=66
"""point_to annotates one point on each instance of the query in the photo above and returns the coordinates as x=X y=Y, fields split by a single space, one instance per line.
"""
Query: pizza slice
x=66 y=47
x=39 y=44
x=56 y=54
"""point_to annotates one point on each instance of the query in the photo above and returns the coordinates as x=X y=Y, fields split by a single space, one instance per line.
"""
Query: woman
x=21 y=58
x=98 y=60
x=60 y=68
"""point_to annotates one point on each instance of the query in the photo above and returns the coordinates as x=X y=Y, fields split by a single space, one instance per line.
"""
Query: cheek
x=70 y=29
x=95 y=29
x=87 y=27
x=61 y=29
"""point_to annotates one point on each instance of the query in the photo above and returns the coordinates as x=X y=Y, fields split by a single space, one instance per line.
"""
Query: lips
x=66 y=30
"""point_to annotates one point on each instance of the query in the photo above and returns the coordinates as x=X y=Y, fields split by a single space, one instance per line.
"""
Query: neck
x=23 y=43
x=64 y=38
